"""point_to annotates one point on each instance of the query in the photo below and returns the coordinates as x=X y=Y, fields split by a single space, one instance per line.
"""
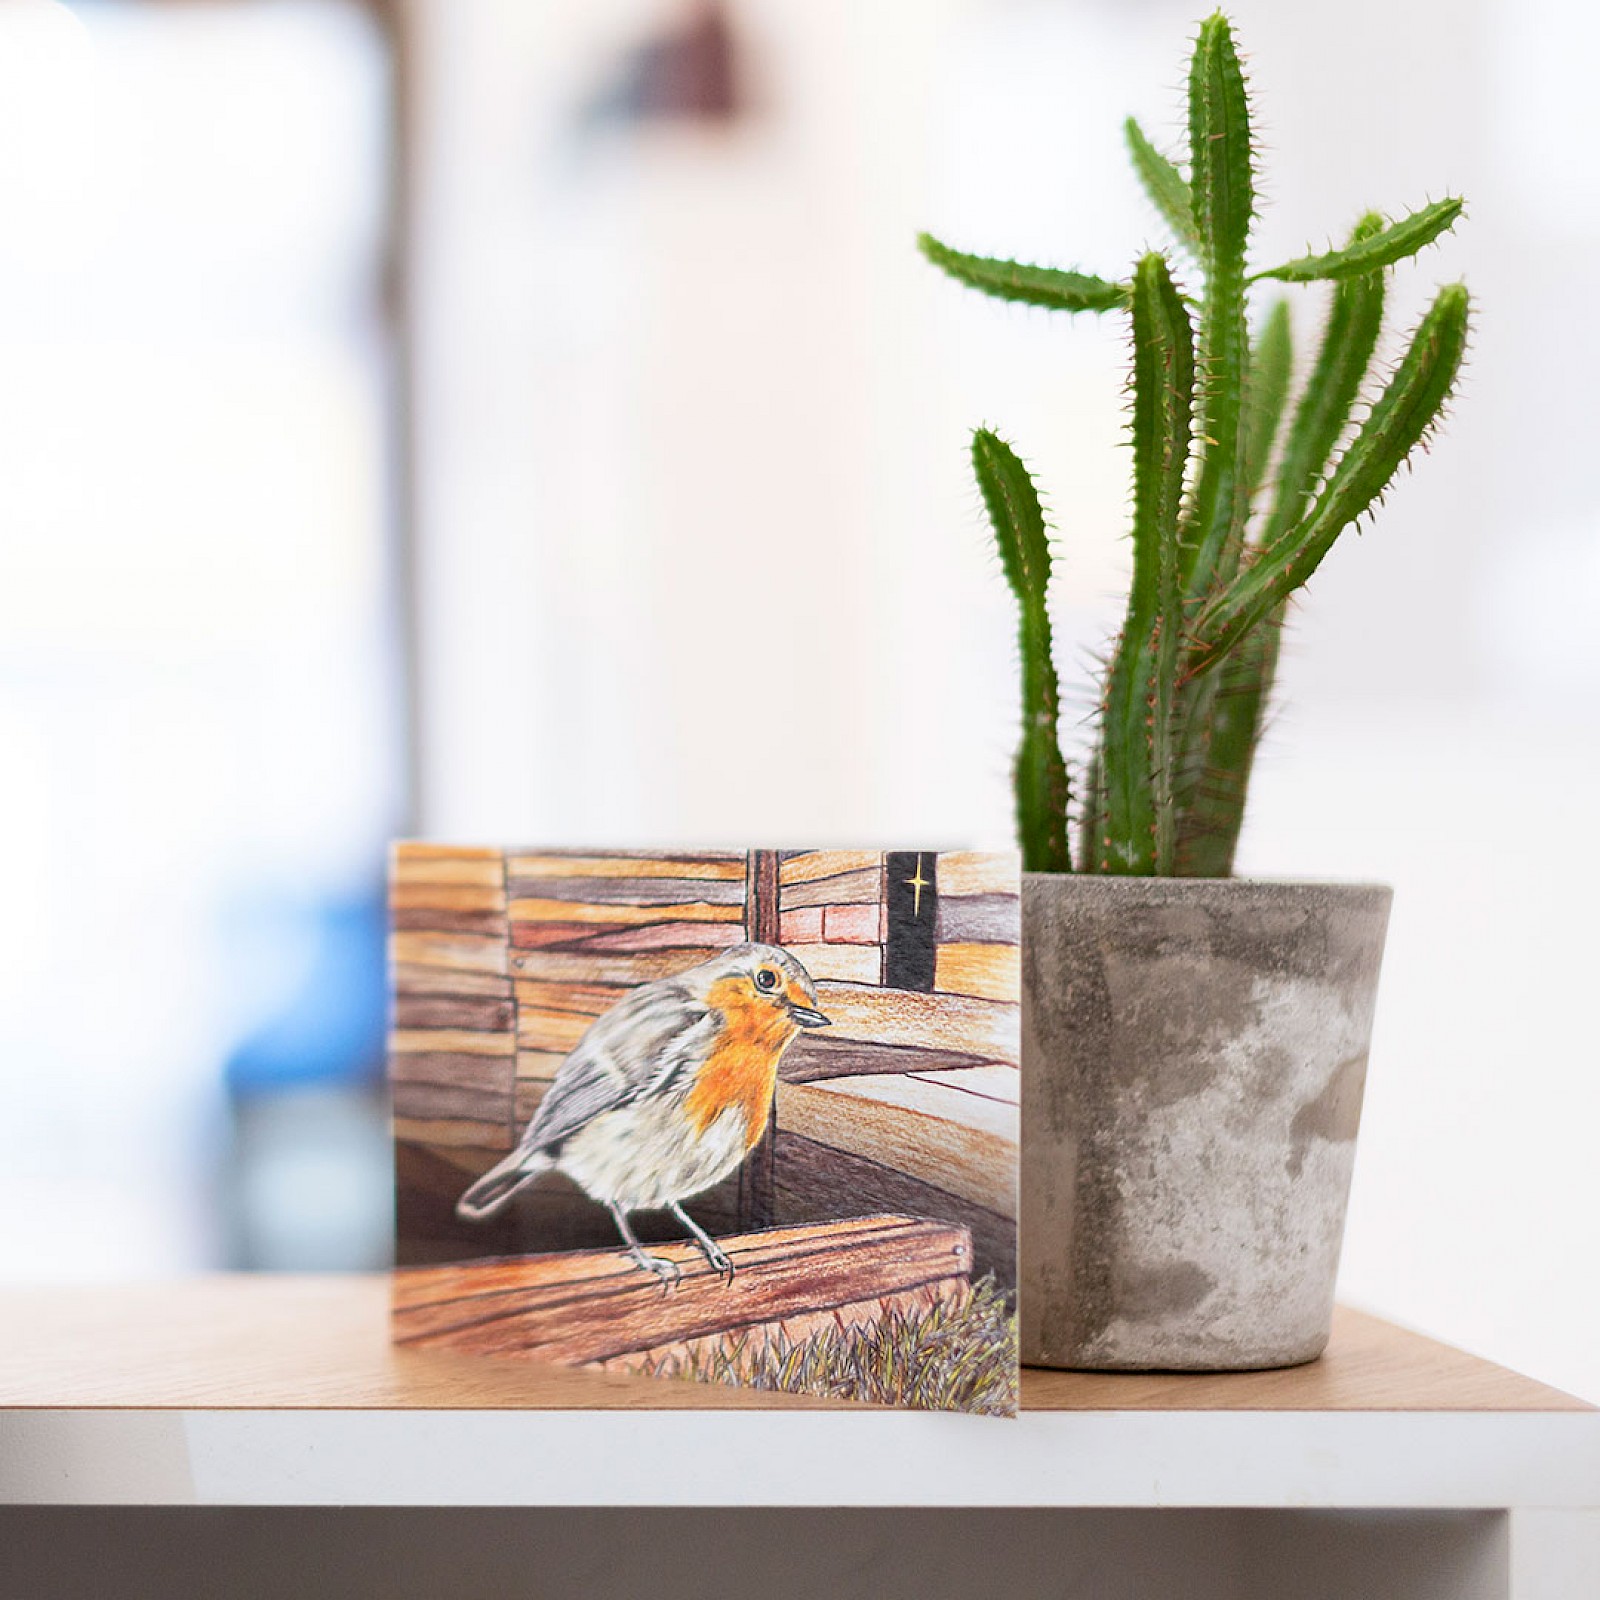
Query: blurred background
x=452 y=416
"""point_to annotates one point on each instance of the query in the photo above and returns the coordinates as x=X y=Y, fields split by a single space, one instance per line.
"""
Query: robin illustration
x=664 y=1095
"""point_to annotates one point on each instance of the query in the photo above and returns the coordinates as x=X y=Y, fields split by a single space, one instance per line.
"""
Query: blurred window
x=199 y=696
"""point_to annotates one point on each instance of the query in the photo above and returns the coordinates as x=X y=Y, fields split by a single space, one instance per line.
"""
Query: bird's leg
x=666 y=1271
x=709 y=1248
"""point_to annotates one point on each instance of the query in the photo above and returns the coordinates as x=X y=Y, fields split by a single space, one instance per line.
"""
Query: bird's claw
x=667 y=1271
x=717 y=1259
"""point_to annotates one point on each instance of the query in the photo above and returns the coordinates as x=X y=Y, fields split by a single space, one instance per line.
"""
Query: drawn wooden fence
x=908 y=1103
x=598 y=1308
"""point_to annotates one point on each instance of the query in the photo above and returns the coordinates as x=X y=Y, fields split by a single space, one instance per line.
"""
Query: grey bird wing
x=639 y=1048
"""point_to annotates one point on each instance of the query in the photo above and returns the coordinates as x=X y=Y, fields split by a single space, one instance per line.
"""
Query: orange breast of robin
x=742 y=1068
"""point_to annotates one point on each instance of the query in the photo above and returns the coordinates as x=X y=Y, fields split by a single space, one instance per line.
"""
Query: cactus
x=1229 y=519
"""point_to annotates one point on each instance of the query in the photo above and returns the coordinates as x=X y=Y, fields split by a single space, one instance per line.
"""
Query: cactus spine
x=1228 y=521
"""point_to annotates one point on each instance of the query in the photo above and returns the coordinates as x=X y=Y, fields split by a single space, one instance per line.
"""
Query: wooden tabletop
x=321 y=1343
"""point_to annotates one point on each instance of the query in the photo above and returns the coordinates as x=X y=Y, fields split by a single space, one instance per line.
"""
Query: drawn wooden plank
x=548 y=935
x=480 y=1014
x=815 y=1055
x=446 y=897
x=488 y=923
x=458 y=1102
x=987 y=1029
x=848 y=888
x=596 y=1306
x=414 y=853
x=549 y=1030
x=656 y=891
x=800 y=927
x=979 y=919
x=452 y=1041
x=442 y=981
x=812 y=1182
x=964 y=872
x=468 y=1071
x=706 y=937
x=530 y=909
x=960 y=1142
x=856 y=924
x=458 y=951
x=848 y=963
x=564 y=966
x=582 y=999
x=435 y=1300
x=987 y=971
x=473 y=872
x=812 y=864
x=438 y=1132
x=707 y=868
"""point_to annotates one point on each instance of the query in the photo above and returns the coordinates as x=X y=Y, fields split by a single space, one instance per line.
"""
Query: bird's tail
x=499 y=1183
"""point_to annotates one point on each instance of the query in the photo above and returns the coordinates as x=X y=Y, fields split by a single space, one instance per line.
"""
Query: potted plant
x=1195 y=1044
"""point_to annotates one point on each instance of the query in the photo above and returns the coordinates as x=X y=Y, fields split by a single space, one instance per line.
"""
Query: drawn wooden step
x=957 y=1130
x=987 y=1029
x=597 y=1306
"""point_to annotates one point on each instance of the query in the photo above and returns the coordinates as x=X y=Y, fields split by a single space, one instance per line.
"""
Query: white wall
x=701 y=559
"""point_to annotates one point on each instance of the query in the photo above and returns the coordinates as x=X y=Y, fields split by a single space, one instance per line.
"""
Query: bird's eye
x=766 y=980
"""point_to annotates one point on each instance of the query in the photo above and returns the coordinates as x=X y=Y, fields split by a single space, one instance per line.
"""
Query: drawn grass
x=960 y=1356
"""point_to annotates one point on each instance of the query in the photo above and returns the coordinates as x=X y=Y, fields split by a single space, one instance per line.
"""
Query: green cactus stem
x=1222 y=189
x=1050 y=287
x=1040 y=774
x=1137 y=751
x=1167 y=188
x=1373 y=248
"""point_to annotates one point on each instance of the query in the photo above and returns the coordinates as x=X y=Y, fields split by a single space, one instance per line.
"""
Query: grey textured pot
x=1194 y=1054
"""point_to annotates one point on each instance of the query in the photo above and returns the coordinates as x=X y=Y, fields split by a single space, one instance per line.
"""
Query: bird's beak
x=808 y=1016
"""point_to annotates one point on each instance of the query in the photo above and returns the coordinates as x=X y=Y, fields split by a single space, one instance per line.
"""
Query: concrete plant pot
x=1194 y=1054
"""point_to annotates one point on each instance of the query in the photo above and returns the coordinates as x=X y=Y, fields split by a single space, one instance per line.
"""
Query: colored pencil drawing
x=737 y=1116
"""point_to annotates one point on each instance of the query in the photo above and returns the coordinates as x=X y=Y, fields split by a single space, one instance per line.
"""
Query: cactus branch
x=1049 y=287
x=1380 y=247
x=1400 y=419
x=1136 y=759
x=1167 y=188
x=1355 y=318
x=1224 y=202
x=1375 y=249
x=1040 y=774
